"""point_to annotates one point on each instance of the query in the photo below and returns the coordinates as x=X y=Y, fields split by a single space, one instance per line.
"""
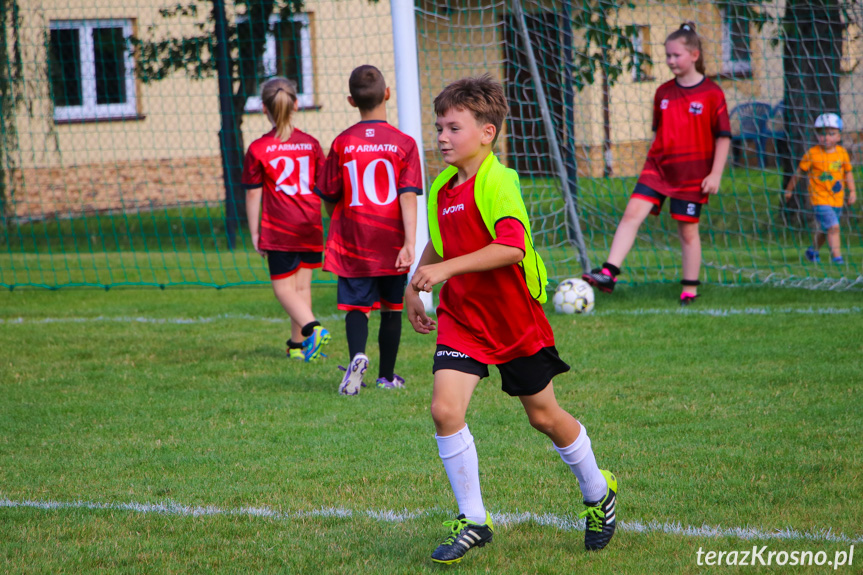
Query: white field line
x=160 y=320
x=713 y=312
x=171 y=508
x=726 y=312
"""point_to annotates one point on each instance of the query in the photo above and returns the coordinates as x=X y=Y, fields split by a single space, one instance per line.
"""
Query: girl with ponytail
x=285 y=215
x=685 y=161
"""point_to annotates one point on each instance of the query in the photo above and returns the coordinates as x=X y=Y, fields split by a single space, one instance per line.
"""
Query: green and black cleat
x=464 y=536
x=600 y=518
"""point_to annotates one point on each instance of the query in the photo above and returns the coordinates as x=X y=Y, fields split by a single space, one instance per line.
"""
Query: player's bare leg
x=690 y=244
x=598 y=486
x=450 y=397
x=547 y=416
x=604 y=277
x=294 y=303
x=634 y=215
x=303 y=279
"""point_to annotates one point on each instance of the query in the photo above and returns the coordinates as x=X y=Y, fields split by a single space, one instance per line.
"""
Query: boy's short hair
x=367 y=87
x=482 y=96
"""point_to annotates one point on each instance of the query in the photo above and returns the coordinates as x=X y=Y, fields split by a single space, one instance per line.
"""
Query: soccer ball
x=573 y=296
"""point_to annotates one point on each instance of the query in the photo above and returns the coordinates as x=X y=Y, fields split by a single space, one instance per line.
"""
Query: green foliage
x=11 y=96
x=158 y=56
x=608 y=46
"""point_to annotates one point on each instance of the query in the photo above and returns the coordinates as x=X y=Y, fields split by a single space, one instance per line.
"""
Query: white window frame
x=730 y=66
x=268 y=60
x=638 y=45
x=90 y=110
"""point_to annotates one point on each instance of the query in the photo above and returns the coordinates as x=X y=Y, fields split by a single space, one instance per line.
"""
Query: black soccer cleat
x=464 y=536
x=601 y=280
x=600 y=517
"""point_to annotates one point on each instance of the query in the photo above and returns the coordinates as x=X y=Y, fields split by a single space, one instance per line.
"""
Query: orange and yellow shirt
x=826 y=175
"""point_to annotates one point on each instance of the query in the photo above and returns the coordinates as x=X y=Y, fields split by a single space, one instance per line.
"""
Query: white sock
x=458 y=453
x=579 y=456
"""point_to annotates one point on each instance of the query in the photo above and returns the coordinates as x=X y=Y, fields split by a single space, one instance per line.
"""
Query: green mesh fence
x=114 y=171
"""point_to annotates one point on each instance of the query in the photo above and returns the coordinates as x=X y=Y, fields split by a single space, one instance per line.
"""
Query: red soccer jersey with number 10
x=687 y=121
x=369 y=165
x=291 y=215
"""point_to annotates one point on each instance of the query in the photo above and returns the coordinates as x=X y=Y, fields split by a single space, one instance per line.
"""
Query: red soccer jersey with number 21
x=369 y=165
x=291 y=214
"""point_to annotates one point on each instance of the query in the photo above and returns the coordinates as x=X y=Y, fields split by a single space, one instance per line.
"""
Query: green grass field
x=164 y=431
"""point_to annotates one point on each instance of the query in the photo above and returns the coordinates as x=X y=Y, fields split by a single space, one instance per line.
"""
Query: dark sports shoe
x=464 y=536
x=599 y=279
x=687 y=298
x=397 y=382
x=600 y=518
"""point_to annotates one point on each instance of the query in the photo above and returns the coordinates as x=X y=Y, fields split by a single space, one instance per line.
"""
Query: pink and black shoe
x=600 y=278
x=687 y=298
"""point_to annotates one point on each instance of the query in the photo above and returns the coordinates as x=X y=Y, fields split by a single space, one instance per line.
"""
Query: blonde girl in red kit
x=285 y=215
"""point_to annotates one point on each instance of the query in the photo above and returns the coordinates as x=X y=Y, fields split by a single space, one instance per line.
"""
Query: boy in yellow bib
x=491 y=313
x=829 y=169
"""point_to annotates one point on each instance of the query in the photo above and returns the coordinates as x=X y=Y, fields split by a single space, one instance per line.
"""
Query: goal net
x=114 y=171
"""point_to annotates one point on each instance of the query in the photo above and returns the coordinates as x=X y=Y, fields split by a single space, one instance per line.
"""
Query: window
x=736 y=56
x=91 y=70
x=288 y=52
x=641 y=45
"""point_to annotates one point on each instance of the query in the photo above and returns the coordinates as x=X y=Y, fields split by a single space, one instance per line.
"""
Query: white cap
x=828 y=121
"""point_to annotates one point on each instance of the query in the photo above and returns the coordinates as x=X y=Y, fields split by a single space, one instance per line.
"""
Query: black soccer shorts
x=366 y=294
x=520 y=376
x=681 y=210
x=285 y=264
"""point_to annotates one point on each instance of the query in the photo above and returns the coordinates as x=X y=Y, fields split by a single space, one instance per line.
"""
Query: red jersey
x=369 y=165
x=687 y=122
x=291 y=215
x=489 y=315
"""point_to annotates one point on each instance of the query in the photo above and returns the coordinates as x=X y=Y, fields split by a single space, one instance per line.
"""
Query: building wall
x=171 y=151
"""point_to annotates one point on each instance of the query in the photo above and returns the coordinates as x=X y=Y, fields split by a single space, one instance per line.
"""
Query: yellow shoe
x=296 y=353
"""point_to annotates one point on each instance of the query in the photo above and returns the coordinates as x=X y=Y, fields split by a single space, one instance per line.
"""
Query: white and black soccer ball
x=573 y=296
